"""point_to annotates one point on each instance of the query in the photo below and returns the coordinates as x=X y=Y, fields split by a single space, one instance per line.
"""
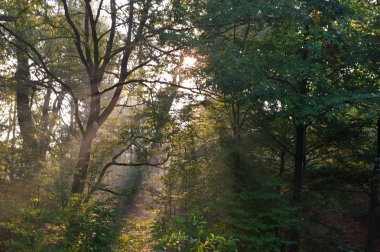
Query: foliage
x=282 y=101
x=91 y=227
x=190 y=235
x=44 y=230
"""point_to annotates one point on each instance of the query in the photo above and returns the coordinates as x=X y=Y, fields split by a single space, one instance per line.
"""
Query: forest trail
x=136 y=217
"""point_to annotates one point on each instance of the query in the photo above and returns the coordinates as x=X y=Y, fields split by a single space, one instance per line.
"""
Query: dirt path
x=136 y=218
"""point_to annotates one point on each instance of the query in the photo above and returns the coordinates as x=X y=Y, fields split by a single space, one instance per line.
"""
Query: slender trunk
x=300 y=148
x=282 y=162
x=237 y=166
x=297 y=179
x=13 y=142
x=10 y=126
x=304 y=159
x=45 y=133
x=372 y=213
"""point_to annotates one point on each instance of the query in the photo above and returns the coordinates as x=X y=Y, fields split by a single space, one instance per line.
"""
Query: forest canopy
x=176 y=125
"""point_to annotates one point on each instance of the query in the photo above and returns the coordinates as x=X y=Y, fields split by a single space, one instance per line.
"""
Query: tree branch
x=7 y=18
x=77 y=40
x=46 y=69
x=110 y=41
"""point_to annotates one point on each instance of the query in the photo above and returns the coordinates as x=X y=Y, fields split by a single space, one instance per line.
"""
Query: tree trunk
x=297 y=181
x=24 y=112
x=45 y=133
x=237 y=166
x=81 y=169
x=372 y=212
x=300 y=147
x=80 y=172
x=282 y=162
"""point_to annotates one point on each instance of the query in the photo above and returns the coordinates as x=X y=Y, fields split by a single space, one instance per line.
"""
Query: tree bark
x=300 y=158
x=282 y=162
x=236 y=130
x=80 y=172
x=24 y=111
x=45 y=132
x=373 y=204
x=297 y=181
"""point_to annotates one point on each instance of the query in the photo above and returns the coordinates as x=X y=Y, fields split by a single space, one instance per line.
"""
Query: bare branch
x=144 y=163
x=7 y=18
x=77 y=35
x=124 y=63
x=173 y=84
x=93 y=33
x=130 y=22
x=87 y=40
x=112 y=31
x=99 y=10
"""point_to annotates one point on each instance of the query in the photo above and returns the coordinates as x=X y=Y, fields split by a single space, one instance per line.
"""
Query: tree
x=98 y=49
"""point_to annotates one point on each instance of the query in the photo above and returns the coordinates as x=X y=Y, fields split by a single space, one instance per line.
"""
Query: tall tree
x=105 y=53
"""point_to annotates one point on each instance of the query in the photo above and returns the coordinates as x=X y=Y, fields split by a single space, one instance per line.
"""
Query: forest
x=190 y=125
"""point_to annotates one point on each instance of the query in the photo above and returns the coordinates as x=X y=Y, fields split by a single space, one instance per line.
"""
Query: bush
x=190 y=235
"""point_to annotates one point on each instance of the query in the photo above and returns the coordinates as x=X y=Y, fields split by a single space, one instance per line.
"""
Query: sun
x=189 y=61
